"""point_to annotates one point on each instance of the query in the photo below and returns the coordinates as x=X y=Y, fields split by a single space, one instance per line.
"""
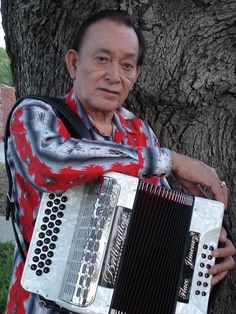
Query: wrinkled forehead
x=107 y=34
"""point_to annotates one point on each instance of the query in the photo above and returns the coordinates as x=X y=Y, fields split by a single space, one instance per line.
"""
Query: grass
x=6 y=257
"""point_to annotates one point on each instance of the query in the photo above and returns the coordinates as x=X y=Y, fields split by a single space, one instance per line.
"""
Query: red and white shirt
x=44 y=157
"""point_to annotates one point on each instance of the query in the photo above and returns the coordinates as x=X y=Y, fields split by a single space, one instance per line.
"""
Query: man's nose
x=113 y=73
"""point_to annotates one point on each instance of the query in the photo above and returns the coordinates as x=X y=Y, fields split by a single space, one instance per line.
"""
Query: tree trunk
x=187 y=90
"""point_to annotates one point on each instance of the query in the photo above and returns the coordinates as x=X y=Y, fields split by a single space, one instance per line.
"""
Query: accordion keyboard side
x=204 y=235
x=69 y=241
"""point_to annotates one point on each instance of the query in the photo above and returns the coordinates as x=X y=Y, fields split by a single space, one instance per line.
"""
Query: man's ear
x=138 y=71
x=71 y=58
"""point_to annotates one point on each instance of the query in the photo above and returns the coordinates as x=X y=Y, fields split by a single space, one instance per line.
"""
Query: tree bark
x=187 y=90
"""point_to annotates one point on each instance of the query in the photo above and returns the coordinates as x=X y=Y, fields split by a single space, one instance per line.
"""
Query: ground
x=3 y=189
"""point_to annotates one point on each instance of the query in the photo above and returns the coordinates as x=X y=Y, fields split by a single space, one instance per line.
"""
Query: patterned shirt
x=44 y=157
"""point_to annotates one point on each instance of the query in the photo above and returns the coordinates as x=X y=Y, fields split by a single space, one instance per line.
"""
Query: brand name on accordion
x=188 y=269
x=183 y=291
x=190 y=258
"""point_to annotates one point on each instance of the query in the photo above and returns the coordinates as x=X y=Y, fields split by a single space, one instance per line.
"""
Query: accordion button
x=39 y=243
x=52 y=246
x=205 y=284
x=199 y=283
x=64 y=199
x=47 y=240
x=51 y=196
x=55 y=209
x=56 y=230
x=43 y=227
x=47 y=211
x=49 y=203
x=58 y=222
x=44 y=248
x=57 y=201
x=37 y=251
x=84 y=268
x=35 y=259
x=50 y=254
x=200 y=274
x=46 y=270
x=211 y=248
x=45 y=219
x=51 y=225
x=203 y=293
x=53 y=217
x=54 y=238
x=88 y=282
x=205 y=246
x=81 y=280
x=202 y=265
x=94 y=257
x=39 y=272
x=99 y=234
x=48 y=262
x=91 y=269
x=60 y=214
x=207 y=275
x=197 y=292
x=41 y=235
x=210 y=257
x=96 y=247
x=203 y=255
x=208 y=266
x=41 y=264
x=62 y=206
x=43 y=256
x=33 y=267
x=49 y=233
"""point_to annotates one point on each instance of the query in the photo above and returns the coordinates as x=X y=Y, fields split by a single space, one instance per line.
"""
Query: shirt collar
x=119 y=121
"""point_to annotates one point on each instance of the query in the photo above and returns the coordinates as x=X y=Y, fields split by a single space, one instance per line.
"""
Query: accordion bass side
x=119 y=245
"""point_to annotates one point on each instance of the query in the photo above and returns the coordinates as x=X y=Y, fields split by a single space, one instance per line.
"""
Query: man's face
x=106 y=66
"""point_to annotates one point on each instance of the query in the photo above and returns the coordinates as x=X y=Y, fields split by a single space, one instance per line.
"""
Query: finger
x=192 y=188
x=226 y=251
x=220 y=193
x=226 y=265
x=218 y=278
x=223 y=235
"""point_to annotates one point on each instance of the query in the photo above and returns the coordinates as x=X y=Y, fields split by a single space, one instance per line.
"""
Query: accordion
x=119 y=245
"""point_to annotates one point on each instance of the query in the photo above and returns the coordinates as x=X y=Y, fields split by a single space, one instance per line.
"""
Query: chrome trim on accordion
x=79 y=237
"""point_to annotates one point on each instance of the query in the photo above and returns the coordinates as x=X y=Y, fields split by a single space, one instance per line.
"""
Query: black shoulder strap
x=74 y=125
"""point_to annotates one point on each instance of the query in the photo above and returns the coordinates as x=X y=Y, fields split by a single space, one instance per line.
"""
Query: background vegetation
x=5 y=69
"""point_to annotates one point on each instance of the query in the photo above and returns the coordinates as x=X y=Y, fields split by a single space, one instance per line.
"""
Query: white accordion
x=119 y=245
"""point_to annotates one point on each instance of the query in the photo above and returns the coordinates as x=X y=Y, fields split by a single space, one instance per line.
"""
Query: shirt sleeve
x=50 y=159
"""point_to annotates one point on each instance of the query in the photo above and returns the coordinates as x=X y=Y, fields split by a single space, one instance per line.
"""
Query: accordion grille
x=158 y=228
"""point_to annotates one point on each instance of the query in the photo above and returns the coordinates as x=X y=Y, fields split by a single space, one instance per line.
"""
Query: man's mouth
x=109 y=91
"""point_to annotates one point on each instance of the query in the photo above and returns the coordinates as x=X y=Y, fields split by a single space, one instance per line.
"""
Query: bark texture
x=187 y=90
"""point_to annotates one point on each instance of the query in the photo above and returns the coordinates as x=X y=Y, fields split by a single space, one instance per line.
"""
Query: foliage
x=5 y=69
x=6 y=257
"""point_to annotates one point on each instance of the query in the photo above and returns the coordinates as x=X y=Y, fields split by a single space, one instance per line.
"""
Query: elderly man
x=104 y=64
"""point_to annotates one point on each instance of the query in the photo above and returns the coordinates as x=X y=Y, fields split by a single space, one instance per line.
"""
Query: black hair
x=118 y=16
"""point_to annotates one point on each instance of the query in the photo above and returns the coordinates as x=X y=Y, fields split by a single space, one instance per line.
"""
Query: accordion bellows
x=119 y=245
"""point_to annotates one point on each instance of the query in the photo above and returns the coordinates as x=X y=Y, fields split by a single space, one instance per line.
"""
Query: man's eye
x=101 y=59
x=128 y=66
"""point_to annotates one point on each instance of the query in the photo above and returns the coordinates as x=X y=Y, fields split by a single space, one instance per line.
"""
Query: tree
x=187 y=89
x=5 y=69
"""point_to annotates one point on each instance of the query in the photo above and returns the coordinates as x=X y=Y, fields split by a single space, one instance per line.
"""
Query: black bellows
x=152 y=260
